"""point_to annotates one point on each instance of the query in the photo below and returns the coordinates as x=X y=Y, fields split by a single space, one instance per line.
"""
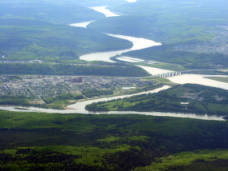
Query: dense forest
x=48 y=11
x=77 y=69
x=23 y=39
x=88 y=142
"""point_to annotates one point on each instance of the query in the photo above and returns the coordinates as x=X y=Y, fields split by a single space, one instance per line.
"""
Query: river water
x=81 y=24
x=80 y=108
x=104 y=10
x=142 y=43
x=199 y=79
x=137 y=44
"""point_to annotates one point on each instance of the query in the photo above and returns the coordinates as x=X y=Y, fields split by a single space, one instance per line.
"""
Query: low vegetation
x=181 y=98
x=222 y=79
x=197 y=161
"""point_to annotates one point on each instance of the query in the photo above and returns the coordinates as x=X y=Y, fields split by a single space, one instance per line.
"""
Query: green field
x=197 y=161
x=222 y=79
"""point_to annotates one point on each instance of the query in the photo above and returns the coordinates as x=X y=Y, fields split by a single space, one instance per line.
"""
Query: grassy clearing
x=168 y=66
x=222 y=79
x=184 y=159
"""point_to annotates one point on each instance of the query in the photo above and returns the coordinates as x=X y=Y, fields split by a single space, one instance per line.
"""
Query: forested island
x=188 y=98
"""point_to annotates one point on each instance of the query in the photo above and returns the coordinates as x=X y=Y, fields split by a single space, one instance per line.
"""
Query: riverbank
x=80 y=108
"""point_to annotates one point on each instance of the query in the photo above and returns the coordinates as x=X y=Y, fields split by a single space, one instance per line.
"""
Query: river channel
x=137 y=44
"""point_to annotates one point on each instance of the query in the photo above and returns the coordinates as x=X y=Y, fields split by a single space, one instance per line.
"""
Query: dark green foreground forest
x=36 y=141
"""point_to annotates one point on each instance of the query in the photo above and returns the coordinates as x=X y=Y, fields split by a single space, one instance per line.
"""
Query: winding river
x=80 y=108
x=137 y=44
x=104 y=10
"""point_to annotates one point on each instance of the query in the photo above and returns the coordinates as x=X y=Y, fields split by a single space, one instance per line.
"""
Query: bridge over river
x=168 y=74
x=193 y=71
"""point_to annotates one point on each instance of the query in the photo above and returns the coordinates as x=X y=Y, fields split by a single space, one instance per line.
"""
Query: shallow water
x=104 y=10
x=80 y=106
x=160 y=114
x=81 y=24
x=129 y=59
x=188 y=78
x=153 y=70
x=198 y=79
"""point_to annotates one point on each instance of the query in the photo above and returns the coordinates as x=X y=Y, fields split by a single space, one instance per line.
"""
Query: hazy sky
x=131 y=1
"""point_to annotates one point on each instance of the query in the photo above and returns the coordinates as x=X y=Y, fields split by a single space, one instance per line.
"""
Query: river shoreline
x=80 y=108
x=137 y=44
